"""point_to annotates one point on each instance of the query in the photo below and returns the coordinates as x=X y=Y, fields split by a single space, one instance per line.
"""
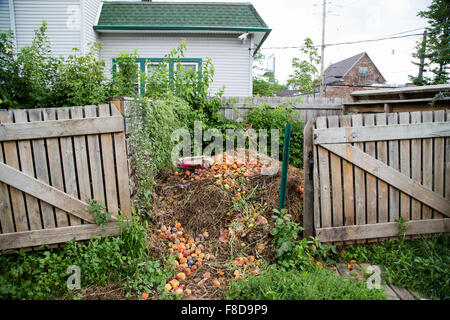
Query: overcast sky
x=292 y=21
x=349 y=20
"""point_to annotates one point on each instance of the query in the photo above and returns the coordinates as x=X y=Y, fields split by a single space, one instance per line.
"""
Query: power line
x=372 y=40
x=394 y=34
x=349 y=42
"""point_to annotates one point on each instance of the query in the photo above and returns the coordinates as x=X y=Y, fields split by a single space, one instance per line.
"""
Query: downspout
x=82 y=38
x=250 y=51
x=12 y=22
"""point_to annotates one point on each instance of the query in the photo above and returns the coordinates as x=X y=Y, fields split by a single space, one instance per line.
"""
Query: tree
x=27 y=77
x=435 y=51
x=82 y=79
x=32 y=78
x=266 y=84
x=305 y=77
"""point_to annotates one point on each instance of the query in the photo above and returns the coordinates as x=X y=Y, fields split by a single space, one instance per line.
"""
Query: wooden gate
x=52 y=161
x=369 y=170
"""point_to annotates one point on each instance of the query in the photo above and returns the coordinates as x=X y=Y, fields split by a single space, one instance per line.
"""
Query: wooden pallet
x=393 y=292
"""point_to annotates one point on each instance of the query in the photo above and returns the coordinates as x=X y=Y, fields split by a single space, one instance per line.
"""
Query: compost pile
x=215 y=222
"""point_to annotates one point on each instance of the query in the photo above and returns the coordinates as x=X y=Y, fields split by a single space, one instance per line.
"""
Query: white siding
x=231 y=58
x=63 y=23
x=90 y=14
x=4 y=15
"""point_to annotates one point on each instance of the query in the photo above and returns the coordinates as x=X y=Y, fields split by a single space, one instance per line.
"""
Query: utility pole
x=324 y=14
x=422 y=56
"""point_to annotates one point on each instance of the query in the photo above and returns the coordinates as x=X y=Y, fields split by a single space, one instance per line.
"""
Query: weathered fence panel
x=369 y=170
x=52 y=161
x=307 y=108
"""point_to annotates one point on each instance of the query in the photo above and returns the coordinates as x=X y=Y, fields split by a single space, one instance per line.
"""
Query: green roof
x=180 y=15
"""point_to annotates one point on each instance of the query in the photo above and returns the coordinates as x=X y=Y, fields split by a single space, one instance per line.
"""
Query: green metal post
x=284 y=170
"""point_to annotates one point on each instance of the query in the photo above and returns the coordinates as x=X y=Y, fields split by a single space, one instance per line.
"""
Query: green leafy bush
x=33 y=78
x=81 y=79
x=420 y=264
x=151 y=125
x=28 y=77
x=43 y=274
x=316 y=284
x=266 y=117
x=188 y=84
x=125 y=75
x=294 y=253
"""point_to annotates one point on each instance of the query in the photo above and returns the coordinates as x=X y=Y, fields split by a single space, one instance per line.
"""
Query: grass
x=275 y=283
x=422 y=264
x=43 y=274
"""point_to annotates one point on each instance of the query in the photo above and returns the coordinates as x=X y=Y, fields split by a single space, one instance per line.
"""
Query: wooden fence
x=364 y=171
x=52 y=161
x=407 y=99
x=307 y=107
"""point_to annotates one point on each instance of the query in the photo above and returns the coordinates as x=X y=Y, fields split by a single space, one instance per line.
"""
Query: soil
x=198 y=203
x=203 y=205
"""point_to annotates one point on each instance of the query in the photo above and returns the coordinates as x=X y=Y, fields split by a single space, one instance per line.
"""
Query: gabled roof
x=287 y=93
x=192 y=16
x=337 y=70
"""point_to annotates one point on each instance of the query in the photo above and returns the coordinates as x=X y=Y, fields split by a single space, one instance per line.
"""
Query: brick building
x=352 y=74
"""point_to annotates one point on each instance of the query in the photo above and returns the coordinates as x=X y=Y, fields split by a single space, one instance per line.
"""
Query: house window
x=363 y=71
x=135 y=74
x=185 y=66
x=150 y=65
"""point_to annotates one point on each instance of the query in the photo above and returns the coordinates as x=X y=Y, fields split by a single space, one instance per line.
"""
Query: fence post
x=308 y=192
x=118 y=103
x=284 y=170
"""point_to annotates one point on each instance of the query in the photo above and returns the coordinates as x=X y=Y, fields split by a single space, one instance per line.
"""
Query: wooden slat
x=42 y=173
x=405 y=154
x=118 y=109
x=427 y=163
x=343 y=270
x=348 y=192
x=391 y=176
x=95 y=160
x=416 y=167
x=324 y=178
x=390 y=293
x=386 y=229
x=11 y=158
x=382 y=132
x=81 y=160
x=108 y=165
x=371 y=181
x=417 y=295
x=68 y=164
x=447 y=163
x=55 y=168
x=60 y=128
x=317 y=197
x=383 y=204
x=360 y=183
x=397 y=91
x=308 y=196
x=439 y=162
x=336 y=181
x=389 y=102
x=394 y=195
x=44 y=192
x=57 y=235
x=403 y=293
x=6 y=214
x=27 y=166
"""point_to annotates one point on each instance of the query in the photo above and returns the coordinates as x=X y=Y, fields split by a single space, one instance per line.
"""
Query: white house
x=228 y=33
